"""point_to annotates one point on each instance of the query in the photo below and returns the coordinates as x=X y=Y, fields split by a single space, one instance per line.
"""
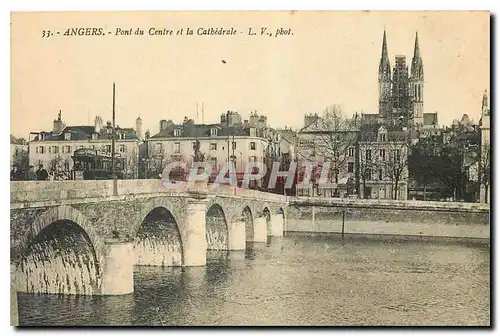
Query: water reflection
x=295 y=280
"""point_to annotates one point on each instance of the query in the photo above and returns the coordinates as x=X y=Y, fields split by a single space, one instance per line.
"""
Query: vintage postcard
x=260 y=168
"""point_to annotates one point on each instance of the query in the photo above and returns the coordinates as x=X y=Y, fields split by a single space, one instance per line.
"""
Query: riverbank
x=399 y=221
x=347 y=237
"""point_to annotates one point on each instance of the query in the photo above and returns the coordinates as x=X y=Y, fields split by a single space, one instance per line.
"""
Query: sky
x=331 y=58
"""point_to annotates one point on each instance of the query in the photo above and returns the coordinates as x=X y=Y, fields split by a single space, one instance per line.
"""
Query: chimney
x=97 y=124
x=163 y=125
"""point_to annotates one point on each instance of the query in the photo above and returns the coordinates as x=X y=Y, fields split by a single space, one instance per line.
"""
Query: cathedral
x=401 y=91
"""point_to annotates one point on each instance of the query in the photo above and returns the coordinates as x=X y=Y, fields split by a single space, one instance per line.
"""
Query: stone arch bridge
x=84 y=237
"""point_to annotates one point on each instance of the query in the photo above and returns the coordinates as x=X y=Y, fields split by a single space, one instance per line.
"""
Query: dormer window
x=382 y=134
x=213 y=131
x=67 y=136
x=177 y=132
x=94 y=136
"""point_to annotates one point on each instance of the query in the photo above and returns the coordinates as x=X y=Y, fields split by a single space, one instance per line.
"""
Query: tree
x=131 y=165
x=423 y=163
x=60 y=167
x=450 y=168
x=397 y=158
x=334 y=138
x=485 y=170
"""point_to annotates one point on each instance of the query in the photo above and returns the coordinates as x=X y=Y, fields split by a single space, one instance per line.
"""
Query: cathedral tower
x=417 y=87
x=384 y=84
x=400 y=94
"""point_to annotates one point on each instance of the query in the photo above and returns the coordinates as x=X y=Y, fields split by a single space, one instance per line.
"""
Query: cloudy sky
x=331 y=58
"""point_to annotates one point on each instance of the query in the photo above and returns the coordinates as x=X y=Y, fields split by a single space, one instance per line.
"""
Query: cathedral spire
x=384 y=49
x=384 y=69
x=416 y=51
x=485 y=99
x=417 y=65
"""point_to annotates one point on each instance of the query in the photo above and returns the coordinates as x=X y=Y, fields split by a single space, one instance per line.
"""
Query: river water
x=296 y=280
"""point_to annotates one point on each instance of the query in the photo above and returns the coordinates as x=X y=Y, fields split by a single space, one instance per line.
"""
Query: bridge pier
x=277 y=225
x=194 y=242
x=260 y=229
x=118 y=268
x=14 y=309
x=236 y=231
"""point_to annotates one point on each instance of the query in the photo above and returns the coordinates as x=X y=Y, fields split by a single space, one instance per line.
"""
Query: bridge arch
x=248 y=218
x=266 y=213
x=61 y=254
x=216 y=230
x=157 y=236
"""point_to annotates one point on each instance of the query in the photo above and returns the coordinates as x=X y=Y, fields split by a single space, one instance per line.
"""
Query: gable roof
x=85 y=133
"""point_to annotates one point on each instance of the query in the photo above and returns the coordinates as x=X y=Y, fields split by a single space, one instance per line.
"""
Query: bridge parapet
x=49 y=191
x=390 y=204
x=35 y=191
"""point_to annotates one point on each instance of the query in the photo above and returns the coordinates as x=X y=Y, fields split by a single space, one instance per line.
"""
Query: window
x=368 y=175
x=177 y=147
x=213 y=146
x=351 y=151
x=177 y=132
x=92 y=147
x=158 y=146
x=55 y=149
x=368 y=154
x=107 y=148
x=350 y=167
x=252 y=145
x=234 y=145
x=383 y=137
x=382 y=154
x=67 y=136
x=213 y=131
x=397 y=155
x=253 y=159
x=67 y=149
x=42 y=149
x=213 y=161
x=122 y=148
x=380 y=174
x=121 y=136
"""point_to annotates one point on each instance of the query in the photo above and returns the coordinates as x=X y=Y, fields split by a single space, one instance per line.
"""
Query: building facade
x=366 y=160
x=231 y=140
x=54 y=149
x=18 y=153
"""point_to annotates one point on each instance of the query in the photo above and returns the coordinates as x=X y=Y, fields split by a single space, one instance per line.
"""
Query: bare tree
x=396 y=162
x=367 y=160
x=60 y=167
x=334 y=138
x=131 y=165
x=485 y=169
